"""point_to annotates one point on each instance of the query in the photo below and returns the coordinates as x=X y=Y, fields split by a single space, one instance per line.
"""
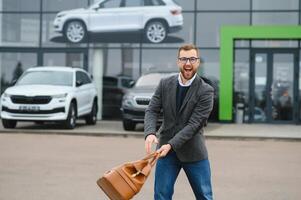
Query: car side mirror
x=79 y=83
x=131 y=84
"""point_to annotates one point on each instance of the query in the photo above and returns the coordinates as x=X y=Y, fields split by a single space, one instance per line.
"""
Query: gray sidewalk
x=213 y=130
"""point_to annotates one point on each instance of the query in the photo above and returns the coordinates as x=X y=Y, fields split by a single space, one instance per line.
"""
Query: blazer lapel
x=173 y=94
x=191 y=90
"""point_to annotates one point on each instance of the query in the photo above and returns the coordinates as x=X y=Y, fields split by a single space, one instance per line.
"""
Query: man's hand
x=164 y=150
x=150 y=139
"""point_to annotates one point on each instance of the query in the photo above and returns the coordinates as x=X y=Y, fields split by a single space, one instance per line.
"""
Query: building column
x=97 y=71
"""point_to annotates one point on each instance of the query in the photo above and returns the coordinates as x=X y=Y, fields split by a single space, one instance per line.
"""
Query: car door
x=105 y=17
x=130 y=15
x=81 y=93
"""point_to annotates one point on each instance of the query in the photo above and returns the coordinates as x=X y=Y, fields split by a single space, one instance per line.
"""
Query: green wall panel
x=228 y=35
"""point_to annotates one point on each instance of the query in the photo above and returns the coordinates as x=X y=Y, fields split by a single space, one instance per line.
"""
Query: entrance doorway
x=274 y=86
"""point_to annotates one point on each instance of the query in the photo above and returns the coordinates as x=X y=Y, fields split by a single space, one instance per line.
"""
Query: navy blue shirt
x=181 y=93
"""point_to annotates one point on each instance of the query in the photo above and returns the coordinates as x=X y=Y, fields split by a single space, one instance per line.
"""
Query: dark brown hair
x=187 y=47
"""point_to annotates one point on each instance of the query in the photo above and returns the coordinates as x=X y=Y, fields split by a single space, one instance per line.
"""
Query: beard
x=188 y=73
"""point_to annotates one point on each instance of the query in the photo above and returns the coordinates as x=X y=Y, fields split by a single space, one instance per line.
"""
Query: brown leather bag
x=125 y=181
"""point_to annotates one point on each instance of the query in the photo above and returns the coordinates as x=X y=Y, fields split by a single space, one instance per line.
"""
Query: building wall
x=27 y=37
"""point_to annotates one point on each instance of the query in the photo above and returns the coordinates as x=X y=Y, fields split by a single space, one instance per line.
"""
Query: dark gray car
x=136 y=100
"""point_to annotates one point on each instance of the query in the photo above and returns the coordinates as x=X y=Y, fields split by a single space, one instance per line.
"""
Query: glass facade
x=29 y=35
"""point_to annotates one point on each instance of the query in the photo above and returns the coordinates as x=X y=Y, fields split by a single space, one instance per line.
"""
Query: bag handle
x=152 y=159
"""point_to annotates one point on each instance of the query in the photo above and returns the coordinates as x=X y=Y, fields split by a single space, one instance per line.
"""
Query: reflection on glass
x=283 y=18
x=260 y=104
x=275 y=4
x=64 y=59
x=208 y=31
x=223 y=5
x=13 y=65
x=241 y=81
x=19 y=29
x=282 y=86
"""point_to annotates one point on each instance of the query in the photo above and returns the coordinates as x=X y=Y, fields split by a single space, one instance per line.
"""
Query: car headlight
x=5 y=95
x=128 y=100
x=60 y=96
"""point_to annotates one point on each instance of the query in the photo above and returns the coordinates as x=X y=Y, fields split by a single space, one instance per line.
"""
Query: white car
x=42 y=94
x=156 y=18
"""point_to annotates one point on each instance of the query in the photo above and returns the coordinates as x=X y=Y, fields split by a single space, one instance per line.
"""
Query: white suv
x=155 y=18
x=50 y=94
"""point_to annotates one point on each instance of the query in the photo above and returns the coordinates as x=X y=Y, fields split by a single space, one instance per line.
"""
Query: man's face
x=190 y=67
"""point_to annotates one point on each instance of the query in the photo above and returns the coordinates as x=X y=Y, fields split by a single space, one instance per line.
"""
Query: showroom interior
x=262 y=83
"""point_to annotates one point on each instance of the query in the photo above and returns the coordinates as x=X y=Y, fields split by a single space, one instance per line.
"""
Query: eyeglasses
x=184 y=60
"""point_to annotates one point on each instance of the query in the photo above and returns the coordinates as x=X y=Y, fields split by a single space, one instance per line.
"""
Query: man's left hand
x=164 y=150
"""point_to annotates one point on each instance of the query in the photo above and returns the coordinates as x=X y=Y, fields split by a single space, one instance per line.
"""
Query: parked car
x=156 y=18
x=136 y=100
x=60 y=94
x=114 y=87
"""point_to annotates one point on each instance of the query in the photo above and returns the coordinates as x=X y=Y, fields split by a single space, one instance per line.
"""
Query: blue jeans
x=198 y=174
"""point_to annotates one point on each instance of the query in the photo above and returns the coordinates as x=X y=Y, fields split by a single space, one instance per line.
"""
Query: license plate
x=29 y=108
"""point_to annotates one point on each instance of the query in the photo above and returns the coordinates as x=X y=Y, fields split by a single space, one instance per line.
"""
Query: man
x=186 y=101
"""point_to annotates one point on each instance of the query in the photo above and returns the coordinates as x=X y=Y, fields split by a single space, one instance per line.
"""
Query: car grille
x=30 y=100
x=142 y=101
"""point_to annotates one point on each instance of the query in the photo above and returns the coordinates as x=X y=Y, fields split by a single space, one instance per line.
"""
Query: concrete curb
x=138 y=135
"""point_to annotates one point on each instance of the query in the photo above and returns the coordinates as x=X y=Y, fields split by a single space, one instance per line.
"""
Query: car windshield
x=46 y=78
x=151 y=80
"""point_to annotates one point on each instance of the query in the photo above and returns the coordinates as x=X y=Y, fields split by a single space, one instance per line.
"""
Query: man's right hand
x=150 y=139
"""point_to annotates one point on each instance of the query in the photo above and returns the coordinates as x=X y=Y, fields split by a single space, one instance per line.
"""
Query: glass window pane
x=19 y=29
x=133 y=3
x=289 y=18
x=283 y=86
x=210 y=66
x=119 y=62
x=223 y=5
x=60 y=5
x=241 y=43
x=274 y=43
x=241 y=80
x=13 y=65
x=186 y=5
x=20 y=5
x=275 y=4
x=209 y=24
x=64 y=59
x=159 y=60
x=260 y=104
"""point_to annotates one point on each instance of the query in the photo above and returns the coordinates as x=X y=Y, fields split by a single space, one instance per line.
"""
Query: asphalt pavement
x=248 y=161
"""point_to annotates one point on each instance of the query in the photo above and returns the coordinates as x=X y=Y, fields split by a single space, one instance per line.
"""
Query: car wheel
x=70 y=122
x=155 y=31
x=75 y=31
x=9 y=123
x=91 y=118
x=128 y=125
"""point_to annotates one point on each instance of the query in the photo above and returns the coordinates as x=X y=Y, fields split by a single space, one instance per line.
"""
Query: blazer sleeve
x=153 y=110
x=196 y=122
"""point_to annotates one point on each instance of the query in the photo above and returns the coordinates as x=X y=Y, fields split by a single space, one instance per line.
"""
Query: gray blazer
x=183 y=131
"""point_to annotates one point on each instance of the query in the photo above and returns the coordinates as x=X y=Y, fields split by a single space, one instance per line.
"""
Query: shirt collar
x=188 y=83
